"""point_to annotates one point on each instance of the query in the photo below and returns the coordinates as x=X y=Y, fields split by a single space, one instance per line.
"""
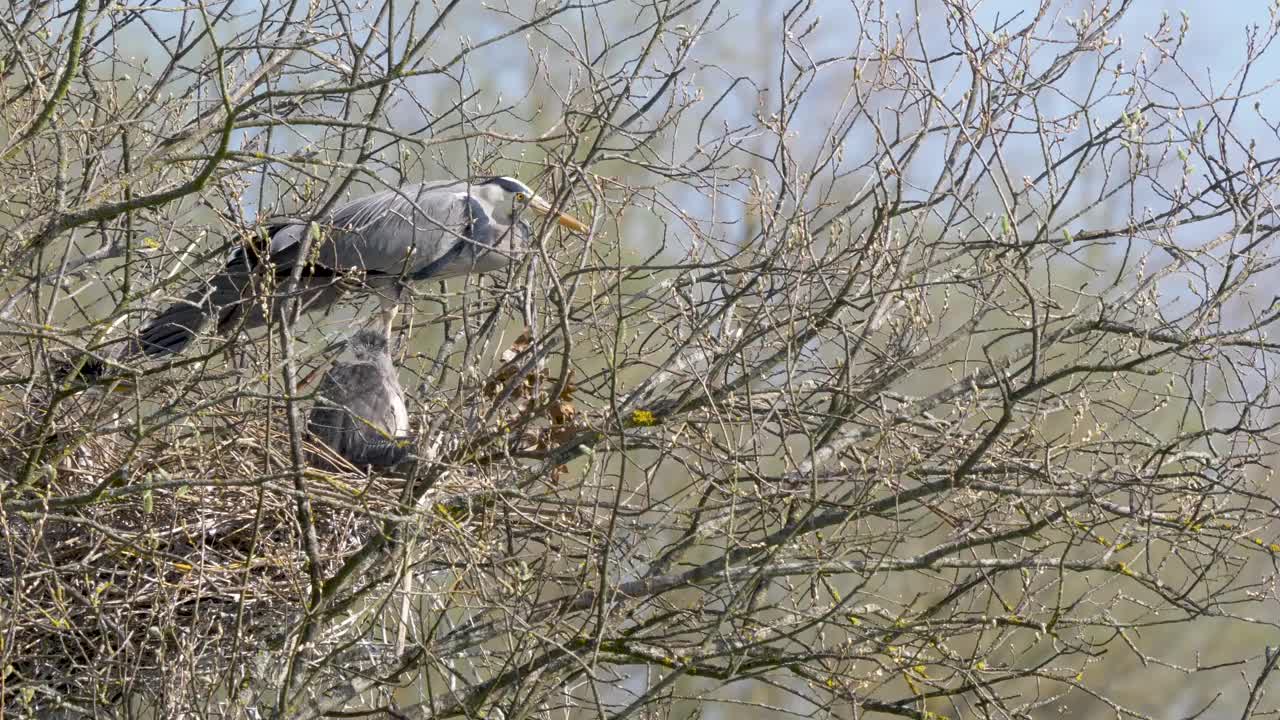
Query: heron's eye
x=520 y=197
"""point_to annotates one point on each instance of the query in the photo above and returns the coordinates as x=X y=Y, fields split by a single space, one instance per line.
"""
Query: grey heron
x=427 y=231
x=359 y=411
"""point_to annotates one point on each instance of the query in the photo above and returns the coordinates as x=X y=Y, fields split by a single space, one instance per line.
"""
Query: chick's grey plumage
x=359 y=411
x=432 y=230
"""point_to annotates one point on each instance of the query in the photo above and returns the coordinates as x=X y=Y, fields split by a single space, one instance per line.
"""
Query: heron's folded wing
x=397 y=231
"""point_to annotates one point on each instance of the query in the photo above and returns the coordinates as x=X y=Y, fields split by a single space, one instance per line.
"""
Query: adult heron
x=359 y=412
x=428 y=231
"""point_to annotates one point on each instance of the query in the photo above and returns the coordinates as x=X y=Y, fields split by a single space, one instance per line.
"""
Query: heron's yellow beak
x=543 y=207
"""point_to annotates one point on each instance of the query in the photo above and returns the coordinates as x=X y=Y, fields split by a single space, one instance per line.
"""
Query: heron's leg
x=390 y=305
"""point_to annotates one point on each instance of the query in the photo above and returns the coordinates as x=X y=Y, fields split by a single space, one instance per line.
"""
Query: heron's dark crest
x=511 y=185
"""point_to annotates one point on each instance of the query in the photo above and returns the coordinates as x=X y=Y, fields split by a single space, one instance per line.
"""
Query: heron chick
x=359 y=412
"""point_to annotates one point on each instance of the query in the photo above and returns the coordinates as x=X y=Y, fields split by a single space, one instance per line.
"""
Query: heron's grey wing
x=330 y=426
x=460 y=258
x=483 y=244
x=397 y=231
x=329 y=421
x=220 y=297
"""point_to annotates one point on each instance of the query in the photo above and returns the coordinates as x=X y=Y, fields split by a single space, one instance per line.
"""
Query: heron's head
x=508 y=197
x=367 y=344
